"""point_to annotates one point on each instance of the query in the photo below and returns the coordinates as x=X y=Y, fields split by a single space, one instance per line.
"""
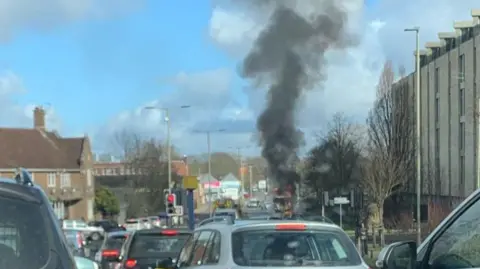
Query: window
x=24 y=236
x=461 y=68
x=199 y=249
x=186 y=253
x=151 y=245
x=65 y=180
x=52 y=180
x=260 y=248
x=461 y=102
x=461 y=137
x=212 y=252
x=460 y=238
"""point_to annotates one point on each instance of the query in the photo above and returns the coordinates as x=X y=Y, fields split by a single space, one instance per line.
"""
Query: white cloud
x=27 y=14
x=14 y=115
x=209 y=96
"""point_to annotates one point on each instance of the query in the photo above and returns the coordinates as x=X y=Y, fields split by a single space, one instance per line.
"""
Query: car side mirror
x=400 y=255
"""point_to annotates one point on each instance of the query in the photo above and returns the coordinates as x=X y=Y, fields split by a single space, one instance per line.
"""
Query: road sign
x=340 y=201
x=178 y=210
x=190 y=182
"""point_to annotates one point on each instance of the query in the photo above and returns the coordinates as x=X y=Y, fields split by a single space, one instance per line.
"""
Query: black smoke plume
x=289 y=55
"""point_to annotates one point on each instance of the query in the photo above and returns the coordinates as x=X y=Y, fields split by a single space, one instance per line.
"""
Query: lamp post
x=166 y=110
x=240 y=165
x=418 y=129
x=208 y=132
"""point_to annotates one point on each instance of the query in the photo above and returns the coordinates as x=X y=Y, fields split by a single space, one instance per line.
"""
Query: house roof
x=35 y=148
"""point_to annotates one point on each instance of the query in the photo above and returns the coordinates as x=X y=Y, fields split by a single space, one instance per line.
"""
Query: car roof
x=160 y=230
x=225 y=210
x=245 y=224
x=118 y=233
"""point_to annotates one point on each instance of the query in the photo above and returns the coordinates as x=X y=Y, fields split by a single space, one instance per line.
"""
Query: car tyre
x=95 y=236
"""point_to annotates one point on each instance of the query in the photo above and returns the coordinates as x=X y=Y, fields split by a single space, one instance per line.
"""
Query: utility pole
x=418 y=131
x=250 y=173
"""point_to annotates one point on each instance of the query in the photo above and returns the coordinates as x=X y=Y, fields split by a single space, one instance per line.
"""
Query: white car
x=95 y=233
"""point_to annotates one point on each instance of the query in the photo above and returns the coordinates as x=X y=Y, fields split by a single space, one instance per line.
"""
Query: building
x=450 y=110
x=62 y=166
x=179 y=167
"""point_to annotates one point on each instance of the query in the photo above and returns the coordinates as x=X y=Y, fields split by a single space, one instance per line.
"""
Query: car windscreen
x=24 y=234
x=293 y=248
x=222 y=214
x=156 y=245
x=115 y=241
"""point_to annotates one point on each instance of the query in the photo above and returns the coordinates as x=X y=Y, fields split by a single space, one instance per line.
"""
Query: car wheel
x=95 y=236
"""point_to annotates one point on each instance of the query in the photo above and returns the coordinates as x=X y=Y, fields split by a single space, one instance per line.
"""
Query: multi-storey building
x=450 y=110
x=62 y=166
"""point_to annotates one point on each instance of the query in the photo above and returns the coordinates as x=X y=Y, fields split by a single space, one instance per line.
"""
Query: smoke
x=289 y=56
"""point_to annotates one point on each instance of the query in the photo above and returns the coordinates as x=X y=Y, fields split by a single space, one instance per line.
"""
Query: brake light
x=79 y=239
x=130 y=263
x=110 y=253
x=291 y=226
x=169 y=232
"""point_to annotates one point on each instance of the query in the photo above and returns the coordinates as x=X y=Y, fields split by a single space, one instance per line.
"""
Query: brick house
x=62 y=166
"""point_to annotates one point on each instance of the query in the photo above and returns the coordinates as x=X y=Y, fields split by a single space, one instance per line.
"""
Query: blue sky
x=91 y=70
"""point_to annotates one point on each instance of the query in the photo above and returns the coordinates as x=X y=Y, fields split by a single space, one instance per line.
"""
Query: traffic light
x=171 y=203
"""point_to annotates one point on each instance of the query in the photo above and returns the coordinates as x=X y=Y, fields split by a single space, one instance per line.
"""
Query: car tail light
x=80 y=239
x=110 y=253
x=130 y=263
x=291 y=226
x=170 y=232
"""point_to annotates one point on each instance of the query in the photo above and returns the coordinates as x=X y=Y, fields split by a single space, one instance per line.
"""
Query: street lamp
x=166 y=110
x=208 y=132
x=418 y=131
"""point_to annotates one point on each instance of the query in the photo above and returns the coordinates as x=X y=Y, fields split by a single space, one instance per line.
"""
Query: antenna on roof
x=23 y=177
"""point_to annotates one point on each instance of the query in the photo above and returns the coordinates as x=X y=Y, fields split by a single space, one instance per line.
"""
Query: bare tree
x=332 y=164
x=146 y=169
x=390 y=161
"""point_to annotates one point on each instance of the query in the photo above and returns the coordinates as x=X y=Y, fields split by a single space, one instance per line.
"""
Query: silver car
x=267 y=243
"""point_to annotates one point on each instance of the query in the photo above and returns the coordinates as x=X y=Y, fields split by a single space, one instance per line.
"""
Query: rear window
x=156 y=245
x=115 y=242
x=23 y=235
x=132 y=221
x=225 y=214
x=293 y=248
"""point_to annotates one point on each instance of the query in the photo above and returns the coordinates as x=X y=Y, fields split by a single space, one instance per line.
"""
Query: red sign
x=213 y=185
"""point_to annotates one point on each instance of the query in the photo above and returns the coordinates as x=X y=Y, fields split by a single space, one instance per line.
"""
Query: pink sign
x=212 y=185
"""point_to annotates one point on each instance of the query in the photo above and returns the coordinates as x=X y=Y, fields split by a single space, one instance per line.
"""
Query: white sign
x=340 y=201
x=178 y=210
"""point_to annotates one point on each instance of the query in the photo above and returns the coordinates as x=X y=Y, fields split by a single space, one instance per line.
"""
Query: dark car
x=107 y=225
x=30 y=235
x=109 y=252
x=153 y=248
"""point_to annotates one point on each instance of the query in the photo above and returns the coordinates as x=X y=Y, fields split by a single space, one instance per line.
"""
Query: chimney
x=39 y=118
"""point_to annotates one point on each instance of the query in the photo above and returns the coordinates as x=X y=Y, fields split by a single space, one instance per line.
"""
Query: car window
x=186 y=253
x=23 y=236
x=461 y=238
x=156 y=245
x=212 y=251
x=199 y=248
x=293 y=248
x=115 y=242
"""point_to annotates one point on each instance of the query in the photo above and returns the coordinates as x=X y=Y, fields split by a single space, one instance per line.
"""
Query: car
x=109 y=252
x=249 y=243
x=91 y=232
x=153 y=248
x=453 y=244
x=221 y=212
x=155 y=221
x=108 y=226
x=30 y=234
x=135 y=224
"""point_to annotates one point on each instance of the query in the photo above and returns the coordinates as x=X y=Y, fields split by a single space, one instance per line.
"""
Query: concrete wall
x=441 y=135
